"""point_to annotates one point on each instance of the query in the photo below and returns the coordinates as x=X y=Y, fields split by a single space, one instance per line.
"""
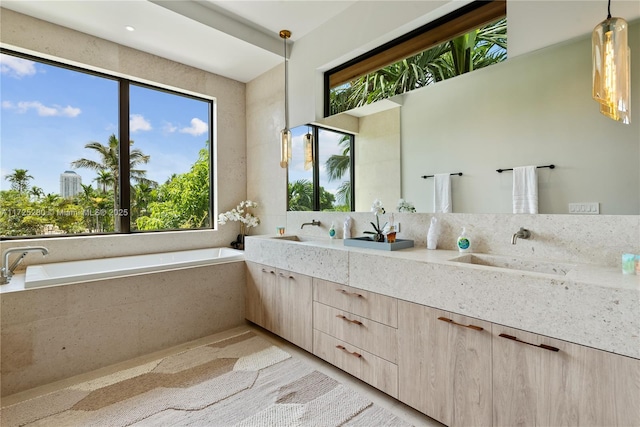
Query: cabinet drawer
x=381 y=308
x=374 y=337
x=371 y=369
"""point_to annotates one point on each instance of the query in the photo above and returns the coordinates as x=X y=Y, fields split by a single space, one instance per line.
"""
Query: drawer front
x=376 y=338
x=371 y=369
x=381 y=308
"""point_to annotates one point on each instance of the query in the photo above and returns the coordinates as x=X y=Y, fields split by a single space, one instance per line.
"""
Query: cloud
x=16 y=67
x=169 y=128
x=198 y=127
x=41 y=109
x=137 y=122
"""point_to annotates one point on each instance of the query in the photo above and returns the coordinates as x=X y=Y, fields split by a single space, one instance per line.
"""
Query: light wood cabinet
x=356 y=331
x=294 y=306
x=377 y=307
x=366 y=366
x=444 y=365
x=458 y=370
x=261 y=297
x=545 y=381
x=364 y=333
x=281 y=302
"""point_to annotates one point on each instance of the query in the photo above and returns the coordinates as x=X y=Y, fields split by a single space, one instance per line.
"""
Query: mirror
x=534 y=109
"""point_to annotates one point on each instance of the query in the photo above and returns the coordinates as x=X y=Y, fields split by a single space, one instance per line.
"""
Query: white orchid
x=404 y=206
x=377 y=207
x=241 y=213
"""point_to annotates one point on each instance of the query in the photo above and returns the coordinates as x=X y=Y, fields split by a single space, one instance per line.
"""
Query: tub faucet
x=523 y=233
x=7 y=270
x=313 y=222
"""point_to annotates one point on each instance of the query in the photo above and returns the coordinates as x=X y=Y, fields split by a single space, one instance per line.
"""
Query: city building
x=70 y=184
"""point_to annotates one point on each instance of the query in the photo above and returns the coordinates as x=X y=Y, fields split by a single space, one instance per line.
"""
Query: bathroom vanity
x=476 y=341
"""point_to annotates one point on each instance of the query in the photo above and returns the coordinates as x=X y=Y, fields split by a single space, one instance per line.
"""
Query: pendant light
x=611 y=68
x=285 y=134
x=308 y=150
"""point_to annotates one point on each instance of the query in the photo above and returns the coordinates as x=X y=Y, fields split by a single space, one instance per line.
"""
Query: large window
x=472 y=37
x=320 y=171
x=87 y=153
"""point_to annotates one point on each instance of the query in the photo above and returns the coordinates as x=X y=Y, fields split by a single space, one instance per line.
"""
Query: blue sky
x=48 y=114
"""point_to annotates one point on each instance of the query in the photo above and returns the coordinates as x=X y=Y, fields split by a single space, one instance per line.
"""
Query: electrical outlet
x=584 y=208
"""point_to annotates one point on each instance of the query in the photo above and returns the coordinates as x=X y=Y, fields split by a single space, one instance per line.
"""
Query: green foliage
x=19 y=216
x=337 y=165
x=19 y=180
x=301 y=197
x=474 y=50
x=181 y=202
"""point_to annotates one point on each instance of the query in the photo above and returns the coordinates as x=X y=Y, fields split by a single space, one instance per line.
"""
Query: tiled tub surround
x=56 y=332
x=592 y=305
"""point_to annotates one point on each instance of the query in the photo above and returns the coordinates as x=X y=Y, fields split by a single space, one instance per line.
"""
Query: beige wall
x=377 y=158
x=40 y=38
x=266 y=180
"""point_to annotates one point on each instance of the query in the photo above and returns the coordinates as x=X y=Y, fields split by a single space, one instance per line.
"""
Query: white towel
x=442 y=193
x=525 y=190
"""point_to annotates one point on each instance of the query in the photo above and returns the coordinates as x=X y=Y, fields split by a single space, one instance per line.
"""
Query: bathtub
x=59 y=273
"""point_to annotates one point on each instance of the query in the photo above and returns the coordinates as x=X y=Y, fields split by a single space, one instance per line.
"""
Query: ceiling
x=235 y=39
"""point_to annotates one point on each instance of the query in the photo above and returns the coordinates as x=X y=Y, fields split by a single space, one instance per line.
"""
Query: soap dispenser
x=464 y=243
x=332 y=231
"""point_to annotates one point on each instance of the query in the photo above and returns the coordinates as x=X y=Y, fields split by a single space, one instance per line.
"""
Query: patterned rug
x=240 y=381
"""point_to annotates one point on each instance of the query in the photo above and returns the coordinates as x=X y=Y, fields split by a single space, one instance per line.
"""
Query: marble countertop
x=589 y=305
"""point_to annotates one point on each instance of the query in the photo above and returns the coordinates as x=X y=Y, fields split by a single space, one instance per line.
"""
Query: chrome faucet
x=523 y=233
x=313 y=222
x=7 y=270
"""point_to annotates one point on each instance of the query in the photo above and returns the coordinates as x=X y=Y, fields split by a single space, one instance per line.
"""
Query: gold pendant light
x=285 y=134
x=612 y=68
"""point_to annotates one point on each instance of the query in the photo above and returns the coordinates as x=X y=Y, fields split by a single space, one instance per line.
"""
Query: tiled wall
x=596 y=239
x=54 y=333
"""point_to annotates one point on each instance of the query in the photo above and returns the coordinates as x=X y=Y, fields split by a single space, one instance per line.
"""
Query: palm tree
x=109 y=162
x=301 y=195
x=19 y=180
x=104 y=179
x=142 y=196
x=337 y=165
x=476 y=49
x=36 y=192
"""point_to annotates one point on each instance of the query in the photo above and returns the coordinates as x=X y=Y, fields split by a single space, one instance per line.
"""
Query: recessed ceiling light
x=129 y=28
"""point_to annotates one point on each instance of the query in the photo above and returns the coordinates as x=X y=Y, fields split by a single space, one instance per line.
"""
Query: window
x=326 y=182
x=471 y=37
x=67 y=171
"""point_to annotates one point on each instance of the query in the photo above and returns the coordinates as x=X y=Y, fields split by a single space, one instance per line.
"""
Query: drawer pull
x=284 y=275
x=269 y=271
x=347 y=351
x=355 y=294
x=544 y=346
x=474 y=327
x=355 y=322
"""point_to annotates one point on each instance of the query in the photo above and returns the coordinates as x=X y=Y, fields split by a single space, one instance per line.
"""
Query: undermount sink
x=296 y=238
x=513 y=263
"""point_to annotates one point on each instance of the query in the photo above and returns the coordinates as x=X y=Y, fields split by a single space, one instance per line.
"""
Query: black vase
x=238 y=243
x=378 y=237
